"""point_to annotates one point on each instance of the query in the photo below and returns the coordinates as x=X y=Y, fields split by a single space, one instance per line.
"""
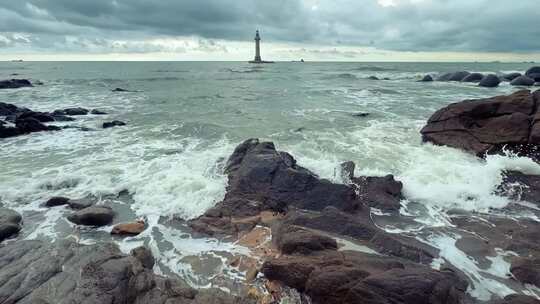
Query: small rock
x=373 y=78
x=473 y=77
x=57 y=201
x=490 y=81
x=15 y=83
x=29 y=125
x=456 y=76
x=347 y=170
x=71 y=111
x=82 y=203
x=251 y=274
x=129 y=228
x=120 y=90
x=522 y=81
x=97 y=112
x=427 y=78
x=114 y=123
x=9 y=223
x=360 y=114
x=92 y=216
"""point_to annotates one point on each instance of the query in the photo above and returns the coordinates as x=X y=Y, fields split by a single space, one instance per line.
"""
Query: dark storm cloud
x=409 y=25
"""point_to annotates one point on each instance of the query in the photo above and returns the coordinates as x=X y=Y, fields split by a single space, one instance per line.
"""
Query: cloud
x=206 y=25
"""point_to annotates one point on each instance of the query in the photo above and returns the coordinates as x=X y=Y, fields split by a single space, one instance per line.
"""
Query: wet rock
x=7 y=131
x=490 y=81
x=534 y=73
x=39 y=116
x=114 y=123
x=97 y=112
x=82 y=203
x=473 y=77
x=511 y=76
x=361 y=114
x=379 y=192
x=521 y=186
x=9 y=223
x=30 y=125
x=455 y=76
x=66 y=272
x=144 y=255
x=516 y=299
x=92 y=216
x=485 y=125
x=526 y=270
x=129 y=228
x=404 y=247
x=15 y=83
x=71 y=111
x=427 y=78
x=373 y=78
x=291 y=239
x=347 y=170
x=120 y=90
x=522 y=81
x=57 y=201
x=7 y=109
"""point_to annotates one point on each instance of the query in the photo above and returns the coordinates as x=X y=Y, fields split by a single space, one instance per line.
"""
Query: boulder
x=114 y=123
x=427 y=78
x=57 y=201
x=486 y=125
x=9 y=223
x=347 y=170
x=526 y=270
x=510 y=76
x=92 y=216
x=129 y=228
x=473 y=77
x=291 y=239
x=534 y=73
x=67 y=272
x=144 y=255
x=490 y=81
x=522 y=81
x=71 y=111
x=455 y=76
x=14 y=83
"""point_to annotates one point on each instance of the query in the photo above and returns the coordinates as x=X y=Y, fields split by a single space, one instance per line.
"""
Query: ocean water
x=185 y=118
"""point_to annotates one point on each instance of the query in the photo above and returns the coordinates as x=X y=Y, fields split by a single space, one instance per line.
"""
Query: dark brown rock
x=379 y=192
x=526 y=270
x=92 y=216
x=294 y=239
x=57 y=201
x=114 y=123
x=516 y=299
x=129 y=228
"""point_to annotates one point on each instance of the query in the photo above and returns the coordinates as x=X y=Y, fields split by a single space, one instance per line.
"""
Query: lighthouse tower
x=257 y=47
x=258 y=50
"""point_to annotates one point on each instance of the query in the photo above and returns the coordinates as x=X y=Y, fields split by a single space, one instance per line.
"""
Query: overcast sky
x=291 y=29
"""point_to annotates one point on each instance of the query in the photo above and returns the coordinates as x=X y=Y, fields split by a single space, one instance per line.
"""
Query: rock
x=14 y=83
x=373 y=78
x=66 y=272
x=29 y=125
x=291 y=239
x=120 y=90
x=456 y=76
x=490 y=81
x=516 y=299
x=522 y=81
x=486 y=125
x=511 y=76
x=57 y=201
x=347 y=170
x=360 y=114
x=39 y=116
x=473 y=77
x=97 y=112
x=7 y=109
x=71 y=111
x=534 y=73
x=427 y=78
x=9 y=223
x=144 y=255
x=114 y=123
x=6 y=131
x=403 y=247
x=379 y=192
x=92 y=216
x=520 y=186
x=82 y=203
x=526 y=270
x=129 y=228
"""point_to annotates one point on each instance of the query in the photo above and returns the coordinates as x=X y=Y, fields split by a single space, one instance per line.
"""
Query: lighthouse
x=258 y=50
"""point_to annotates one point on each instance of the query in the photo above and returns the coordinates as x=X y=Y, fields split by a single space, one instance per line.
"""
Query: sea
x=185 y=118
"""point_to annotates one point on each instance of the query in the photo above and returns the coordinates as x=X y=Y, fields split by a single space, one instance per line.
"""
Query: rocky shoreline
x=326 y=239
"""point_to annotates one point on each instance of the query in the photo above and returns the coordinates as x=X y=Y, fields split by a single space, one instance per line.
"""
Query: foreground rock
x=66 y=272
x=15 y=83
x=9 y=223
x=487 y=125
x=92 y=216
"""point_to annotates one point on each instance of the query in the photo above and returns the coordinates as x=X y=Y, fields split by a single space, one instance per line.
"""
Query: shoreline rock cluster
x=529 y=78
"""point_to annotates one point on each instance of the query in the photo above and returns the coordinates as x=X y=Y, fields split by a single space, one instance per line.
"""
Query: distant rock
x=15 y=83
x=97 y=112
x=427 y=78
x=360 y=114
x=129 y=228
x=9 y=223
x=92 y=216
x=534 y=73
x=114 y=123
x=7 y=131
x=522 y=81
x=72 y=111
x=488 y=125
x=373 y=78
x=473 y=77
x=455 y=76
x=120 y=90
x=490 y=81
x=57 y=201
x=381 y=192
x=511 y=76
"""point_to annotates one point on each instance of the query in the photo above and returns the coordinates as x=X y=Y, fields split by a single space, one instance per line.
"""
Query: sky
x=316 y=30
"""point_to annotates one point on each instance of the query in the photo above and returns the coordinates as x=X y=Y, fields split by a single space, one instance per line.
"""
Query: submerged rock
x=72 y=111
x=66 y=272
x=92 y=216
x=9 y=223
x=373 y=78
x=97 y=112
x=120 y=90
x=15 y=83
x=427 y=78
x=522 y=81
x=114 y=123
x=487 y=125
x=490 y=81
x=30 y=125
